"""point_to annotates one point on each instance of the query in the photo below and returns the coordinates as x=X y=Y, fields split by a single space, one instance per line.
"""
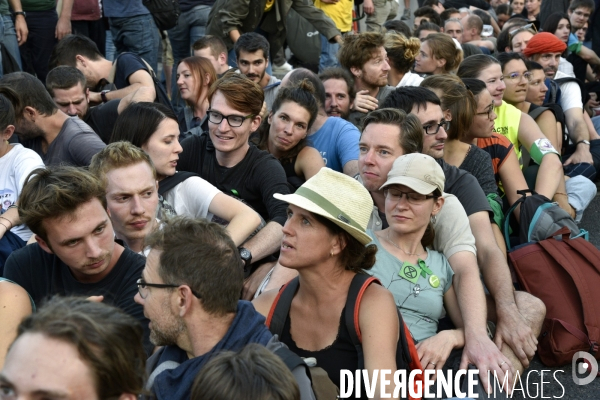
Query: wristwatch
x=583 y=141
x=246 y=256
x=20 y=13
x=103 y=95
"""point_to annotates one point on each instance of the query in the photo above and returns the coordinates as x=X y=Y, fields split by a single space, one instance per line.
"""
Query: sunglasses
x=529 y=27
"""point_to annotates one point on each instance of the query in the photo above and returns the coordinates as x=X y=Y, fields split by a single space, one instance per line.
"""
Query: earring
x=331 y=253
x=432 y=219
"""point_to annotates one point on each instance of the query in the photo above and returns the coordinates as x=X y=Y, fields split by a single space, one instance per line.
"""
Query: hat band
x=329 y=207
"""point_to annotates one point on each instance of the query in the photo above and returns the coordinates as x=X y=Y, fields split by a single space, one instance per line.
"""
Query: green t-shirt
x=38 y=5
x=4 y=7
x=422 y=303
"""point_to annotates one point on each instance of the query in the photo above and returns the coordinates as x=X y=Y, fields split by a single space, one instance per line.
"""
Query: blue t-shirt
x=337 y=141
x=123 y=8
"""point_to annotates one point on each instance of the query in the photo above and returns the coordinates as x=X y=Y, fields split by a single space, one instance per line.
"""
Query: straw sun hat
x=337 y=197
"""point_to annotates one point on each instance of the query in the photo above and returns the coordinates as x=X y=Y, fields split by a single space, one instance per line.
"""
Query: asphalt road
x=566 y=389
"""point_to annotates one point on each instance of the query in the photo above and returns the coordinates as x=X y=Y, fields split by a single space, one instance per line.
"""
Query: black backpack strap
x=171 y=181
x=537 y=112
x=359 y=284
x=281 y=306
x=509 y=215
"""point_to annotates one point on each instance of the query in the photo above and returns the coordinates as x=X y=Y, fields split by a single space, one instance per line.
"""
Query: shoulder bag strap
x=281 y=306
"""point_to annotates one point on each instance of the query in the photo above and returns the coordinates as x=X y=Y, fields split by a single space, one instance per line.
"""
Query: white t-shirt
x=192 y=197
x=15 y=166
x=570 y=93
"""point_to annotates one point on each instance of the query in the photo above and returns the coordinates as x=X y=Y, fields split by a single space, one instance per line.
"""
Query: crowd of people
x=148 y=222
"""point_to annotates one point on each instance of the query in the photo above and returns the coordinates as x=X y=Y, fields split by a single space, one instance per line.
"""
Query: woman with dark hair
x=195 y=75
x=460 y=107
x=153 y=127
x=517 y=78
x=507 y=171
x=438 y=55
x=284 y=132
x=517 y=126
x=16 y=163
x=401 y=52
x=325 y=240
x=559 y=25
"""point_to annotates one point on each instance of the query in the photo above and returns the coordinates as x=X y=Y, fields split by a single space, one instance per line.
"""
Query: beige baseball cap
x=417 y=171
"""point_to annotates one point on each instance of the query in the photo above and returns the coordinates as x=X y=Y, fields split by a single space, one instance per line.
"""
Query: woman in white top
x=16 y=163
x=153 y=127
x=402 y=53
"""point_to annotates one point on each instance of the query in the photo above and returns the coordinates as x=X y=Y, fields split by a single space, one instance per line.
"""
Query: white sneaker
x=282 y=69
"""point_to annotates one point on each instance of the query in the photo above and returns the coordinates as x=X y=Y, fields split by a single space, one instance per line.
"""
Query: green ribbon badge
x=424 y=269
x=410 y=272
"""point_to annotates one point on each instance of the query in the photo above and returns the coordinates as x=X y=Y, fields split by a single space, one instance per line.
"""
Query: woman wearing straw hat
x=324 y=240
x=419 y=278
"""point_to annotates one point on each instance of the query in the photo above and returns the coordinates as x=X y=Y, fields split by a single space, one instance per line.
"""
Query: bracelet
x=5 y=226
x=6 y=219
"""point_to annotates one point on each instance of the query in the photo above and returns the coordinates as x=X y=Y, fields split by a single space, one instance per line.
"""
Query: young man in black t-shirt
x=75 y=253
x=226 y=159
x=130 y=74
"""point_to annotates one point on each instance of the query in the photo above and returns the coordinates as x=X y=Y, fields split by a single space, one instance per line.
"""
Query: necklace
x=387 y=237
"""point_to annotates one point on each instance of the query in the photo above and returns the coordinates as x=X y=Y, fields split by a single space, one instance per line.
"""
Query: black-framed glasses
x=488 y=111
x=515 y=76
x=234 y=121
x=434 y=128
x=143 y=287
x=411 y=197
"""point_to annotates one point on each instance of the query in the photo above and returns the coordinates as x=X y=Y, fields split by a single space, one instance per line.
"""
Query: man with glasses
x=239 y=169
x=518 y=317
x=189 y=290
x=545 y=49
x=75 y=253
x=579 y=55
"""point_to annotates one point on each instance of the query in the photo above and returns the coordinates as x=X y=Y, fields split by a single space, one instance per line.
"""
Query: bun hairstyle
x=401 y=51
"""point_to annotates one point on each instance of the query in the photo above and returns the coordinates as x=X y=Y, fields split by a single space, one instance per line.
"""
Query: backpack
x=161 y=93
x=565 y=275
x=406 y=353
x=539 y=219
x=165 y=13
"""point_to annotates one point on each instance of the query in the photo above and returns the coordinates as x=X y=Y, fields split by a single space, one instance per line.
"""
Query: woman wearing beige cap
x=324 y=239
x=419 y=278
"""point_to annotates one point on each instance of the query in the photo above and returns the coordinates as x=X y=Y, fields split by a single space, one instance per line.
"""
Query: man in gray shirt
x=42 y=127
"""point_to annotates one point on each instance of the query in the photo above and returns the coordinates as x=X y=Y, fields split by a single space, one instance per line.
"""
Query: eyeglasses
x=581 y=14
x=488 y=111
x=412 y=197
x=143 y=287
x=529 y=27
x=434 y=128
x=233 y=120
x=515 y=76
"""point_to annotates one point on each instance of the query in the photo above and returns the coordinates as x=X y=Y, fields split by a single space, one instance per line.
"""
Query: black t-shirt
x=187 y=5
x=102 y=117
x=44 y=275
x=253 y=180
x=466 y=188
x=127 y=64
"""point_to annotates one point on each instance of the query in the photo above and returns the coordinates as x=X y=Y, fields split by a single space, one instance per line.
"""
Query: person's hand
x=485 y=355
x=252 y=283
x=95 y=299
x=434 y=351
x=582 y=155
x=364 y=102
x=95 y=98
x=513 y=329
x=63 y=28
x=338 y=39
x=368 y=7
x=21 y=29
